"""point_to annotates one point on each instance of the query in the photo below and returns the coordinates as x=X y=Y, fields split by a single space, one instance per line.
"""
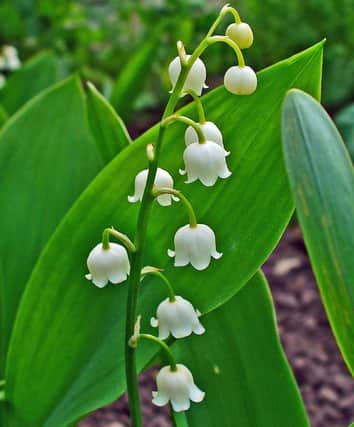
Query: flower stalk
x=192 y=217
x=119 y=236
x=196 y=231
x=157 y=272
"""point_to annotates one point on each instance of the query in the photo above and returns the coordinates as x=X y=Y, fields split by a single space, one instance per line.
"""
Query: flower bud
x=195 y=245
x=240 y=80
x=210 y=131
x=205 y=162
x=162 y=180
x=110 y=264
x=196 y=77
x=177 y=317
x=241 y=34
x=176 y=386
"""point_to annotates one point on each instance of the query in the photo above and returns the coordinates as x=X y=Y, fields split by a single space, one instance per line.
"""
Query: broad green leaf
x=87 y=326
x=322 y=180
x=3 y=116
x=345 y=123
x=241 y=366
x=132 y=76
x=36 y=75
x=106 y=126
x=47 y=157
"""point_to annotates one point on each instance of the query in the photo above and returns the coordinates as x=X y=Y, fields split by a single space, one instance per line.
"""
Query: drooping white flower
x=195 y=245
x=110 y=264
x=241 y=33
x=210 y=131
x=12 y=61
x=240 y=80
x=206 y=162
x=196 y=77
x=162 y=180
x=178 y=387
x=177 y=317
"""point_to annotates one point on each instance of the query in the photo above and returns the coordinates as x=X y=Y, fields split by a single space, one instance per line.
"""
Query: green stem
x=170 y=357
x=231 y=43
x=224 y=11
x=199 y=105
x=2 y=395
x=119 y=236
x=142 y=223
x=187 y=204
x=156 y=272
x=176 y=118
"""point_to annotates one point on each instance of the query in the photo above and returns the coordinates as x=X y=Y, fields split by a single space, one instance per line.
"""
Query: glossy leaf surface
x=322 y=180
x=87 y=326
x=107 y=127
x=34 y=76
x=241 y=366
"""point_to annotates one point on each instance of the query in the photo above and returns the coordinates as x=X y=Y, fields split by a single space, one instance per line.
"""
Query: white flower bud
x=196 y=77
x=9 y=51
x=110 y=264
x=205 y=162
x=162 y=180
x=178 y=318
x=195 y=245
x=240 y=80
x=178 y=387
x=241 y=34
x=13 y=63
x=210 y=131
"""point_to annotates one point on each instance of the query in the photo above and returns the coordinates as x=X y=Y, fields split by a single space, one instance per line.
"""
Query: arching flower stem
x=142 y=223
x=199 y=105
x=170 y=357
x=157 y=272
x=224 y=11
x=119 y=236
x=232 y=44
x=176 y=118
x=187 y=204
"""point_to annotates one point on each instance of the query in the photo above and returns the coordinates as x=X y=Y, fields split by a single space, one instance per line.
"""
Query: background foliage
x=97 y=38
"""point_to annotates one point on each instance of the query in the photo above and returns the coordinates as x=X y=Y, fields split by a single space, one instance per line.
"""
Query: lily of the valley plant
x=205 y=159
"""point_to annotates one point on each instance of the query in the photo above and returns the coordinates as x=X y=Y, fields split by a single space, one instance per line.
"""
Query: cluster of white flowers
x=205 y=160
x=9 y=61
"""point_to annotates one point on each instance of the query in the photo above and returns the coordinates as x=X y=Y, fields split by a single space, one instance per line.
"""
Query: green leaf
x=3 y=116
x=34 y=76
x=345 y=123
x=241 y=366
x=107 y=127
x=86 y=323
x=322 y=180
x=133 y=75
x=47 y=157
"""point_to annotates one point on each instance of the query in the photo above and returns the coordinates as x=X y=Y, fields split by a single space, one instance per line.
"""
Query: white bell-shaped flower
x=110 y=264
x=241 y=33
x=196 y=77
x=195 y=245
x=178 y=318
x=210 y=131
x=240 y=80
x=178 y=387
x=162 y=180
x=206 y=162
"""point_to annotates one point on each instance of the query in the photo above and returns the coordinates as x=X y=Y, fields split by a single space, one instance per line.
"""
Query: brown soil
x=326 y=385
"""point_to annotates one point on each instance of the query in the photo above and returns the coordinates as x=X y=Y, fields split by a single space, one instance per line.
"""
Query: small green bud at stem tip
x=150 y=152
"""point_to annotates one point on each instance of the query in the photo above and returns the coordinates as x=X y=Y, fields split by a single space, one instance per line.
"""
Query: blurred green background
x=100 y=40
